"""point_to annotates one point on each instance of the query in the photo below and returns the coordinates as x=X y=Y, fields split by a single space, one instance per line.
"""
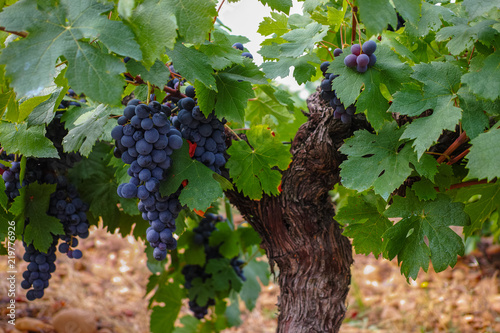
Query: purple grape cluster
x=201 y=236
x=66 y=205
x=145 y=140
x=39 y=270
x=206 y=133
x=362 y=57
x=10 y=177
x=329 y=95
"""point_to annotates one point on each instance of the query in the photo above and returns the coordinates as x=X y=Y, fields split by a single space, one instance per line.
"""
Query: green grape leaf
x=206 y=97
x=266 y=104
x=486 y=201
x=440 y=81
x=388 y=71
x=364 y=222
x=189 y=325
x=202 y=189
x=27 y=141
x=474 y=120
x=4 y=200
x=483 y=77
x=202 y=291
x=251 y=288
x=163 y=317
x=193 y=65
x=223 y=275
x=220 y=52
x=409 y=9
x=251 y=169
x=43 y=113
x=41 y=226
x=484 y=156
x=477 y=8
x=276 y=24
x=376 y=160
x=376 y=15
x=249 y=72
x=158 y=74
x=430 y=20
x=155 y=27
x=89 y=127
x=279 y=5
x=194 y=253
x=227 y=239
x=232 y=98
x=424 y=189
x=8 y=103
x=194 y=18
x=303 y=68
x=61 y=31
x=463 y=36
x=302 y=39
x=423 y=220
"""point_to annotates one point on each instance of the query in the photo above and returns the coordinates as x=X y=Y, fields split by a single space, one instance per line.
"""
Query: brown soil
x=109 y=283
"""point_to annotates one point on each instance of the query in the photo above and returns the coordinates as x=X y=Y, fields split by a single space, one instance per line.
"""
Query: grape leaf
x=439 y=92
x=477 y=8
x=474 y=120
x=43 y=113
x=302 y=39
x=364 y=222
x=61 y=31
x=276 y=24
x=90 y=127
x=424 y=189
x=430 y=20
x=206 y=97
x=388 y=71
x=484 y=156
x=223 y=275
x=202 y=189
x=189 y=325
x=266 y=104
x=409 y=9
x=201 y=290
x=3 y=196
x=227 y=239
x=28 y=141
x=193 y=65
x=158 y=74
x=378 y=161
x=481 y=208
x=41 y=226
x=220 y=52
x=8 y=103
x=155 y=27
x=194 y=18
x=232 y=98
x=251 y=169
x=194 y=253
x=163 y=317
x=420 y=220
x=248 y=72
x=375 y=23
x=463 y=36
x=483 y=76
x=251 y=288
x=280 y=5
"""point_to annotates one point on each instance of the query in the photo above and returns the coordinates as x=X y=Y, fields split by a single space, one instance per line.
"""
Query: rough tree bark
x=298 y=231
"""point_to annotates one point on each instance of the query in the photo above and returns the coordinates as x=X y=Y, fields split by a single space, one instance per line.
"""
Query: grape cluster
x=145 y=140
x=362 y=57
x=66 y=205
x=11 y=178
x=201 y=236
x=39 y=268
x=329 y=95
x=205 y=134
x=73 y=97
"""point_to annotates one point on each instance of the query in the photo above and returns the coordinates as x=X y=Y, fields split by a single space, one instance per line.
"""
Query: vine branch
x=18 y=33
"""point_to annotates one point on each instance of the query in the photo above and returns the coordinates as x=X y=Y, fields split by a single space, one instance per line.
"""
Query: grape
x=116 y=133
x=324 y=66
x=247 y=54
x=129 y=111
x=369 y=47
x=361 y=69
x=238 y=46
x=362 y=60
x=147 y=124
x=326 y=85
x=350 y=60
x=356 y=49
x=175 y=142
x=345 y=118
x=337 y=52
x=373 y=60
x=190 y=92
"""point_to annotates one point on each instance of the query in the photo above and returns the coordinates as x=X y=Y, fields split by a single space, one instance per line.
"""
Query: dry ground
x=109 y=283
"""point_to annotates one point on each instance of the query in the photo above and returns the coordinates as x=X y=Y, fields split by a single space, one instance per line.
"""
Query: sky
x=243 y=18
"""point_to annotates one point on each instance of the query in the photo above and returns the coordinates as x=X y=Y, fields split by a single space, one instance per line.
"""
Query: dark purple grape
x=337 y=52
x=369 y=47
x=350 y=60
x=356 y=49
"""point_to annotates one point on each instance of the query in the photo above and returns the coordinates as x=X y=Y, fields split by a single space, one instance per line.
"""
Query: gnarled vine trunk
x=298 y=231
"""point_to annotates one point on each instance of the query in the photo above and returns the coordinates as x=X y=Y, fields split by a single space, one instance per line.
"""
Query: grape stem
x=471 y=53
x=457 y=143
x=327 y=49
x=218 y=9
x=354 y=22
x=230 y=130
x=18 y=33
x=458 y=157
x=466 y=184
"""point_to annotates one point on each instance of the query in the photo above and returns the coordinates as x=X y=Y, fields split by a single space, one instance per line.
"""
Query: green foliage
x=434 y=78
